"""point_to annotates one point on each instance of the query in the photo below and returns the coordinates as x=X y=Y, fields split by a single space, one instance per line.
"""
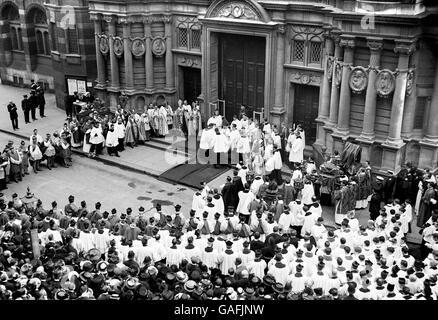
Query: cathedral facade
x=347 y=70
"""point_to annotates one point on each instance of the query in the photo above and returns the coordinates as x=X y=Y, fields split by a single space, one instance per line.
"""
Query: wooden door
x=242 y=73
x=192 y=84
x=306 y=110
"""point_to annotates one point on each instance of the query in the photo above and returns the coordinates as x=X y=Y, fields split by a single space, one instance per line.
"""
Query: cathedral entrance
x=305 y=110
x=241 y=72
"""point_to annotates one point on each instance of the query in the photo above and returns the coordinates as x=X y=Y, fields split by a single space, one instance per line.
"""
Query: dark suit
x=227 y=195
x=33 y=104
x=375 y=202
x=13 y=114
x=41 y=103
x=389 y=188
x=26 y=109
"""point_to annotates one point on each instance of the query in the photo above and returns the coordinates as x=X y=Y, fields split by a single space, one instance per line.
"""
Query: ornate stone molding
x=107 y=18
x=338 y=72
x=158 y=46
x=281 y=29
x=187 y=61
x=118 y=46
x=385 y=83
x=103 y=44
x=123 y=20
x=237 y=9
x=375 y=44
x=358 y=80
x=404 y=48
x=329 y=67
x=305 y=78
x=94 y=16
x=410 y=79
x=347 y=43
x=138 y=48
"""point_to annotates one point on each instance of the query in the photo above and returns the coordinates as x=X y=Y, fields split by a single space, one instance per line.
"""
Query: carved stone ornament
x=138 y=48
x=158 y=46
x=305 y=78
x=385 y=83
x=237 y=10
x=189 y=62
x=338 y=73
x=103 y=44
x=329 y=68
x=358 y=79
x=410 y=81
x=118 y=46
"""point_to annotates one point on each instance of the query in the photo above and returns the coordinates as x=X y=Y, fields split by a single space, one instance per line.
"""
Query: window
x=72 y=41
x=315 y=52
x=298 y=50
x=14 y=40
x=54 y=38
x=183 y=37
x=189 y=36
x=196 y=38
x=20 y=39
x=46 y=43
x=39 y=42
x=419 y=112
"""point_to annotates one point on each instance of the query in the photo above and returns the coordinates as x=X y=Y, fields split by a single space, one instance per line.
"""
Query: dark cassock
x=374 y=207
x=389 y=188
x=227 y=194
x=426 y=206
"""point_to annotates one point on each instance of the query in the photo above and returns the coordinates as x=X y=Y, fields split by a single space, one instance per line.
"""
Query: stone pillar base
x=366 y=146
x=328 y=139
x=338 y=142
x=392 y=157
x=113 y=101
x=428 y=156
x=277 y=114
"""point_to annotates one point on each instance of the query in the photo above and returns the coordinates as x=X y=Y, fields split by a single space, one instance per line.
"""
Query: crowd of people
x=16 y=160
x=249 y=239
x=259 y=236
x=29 y=105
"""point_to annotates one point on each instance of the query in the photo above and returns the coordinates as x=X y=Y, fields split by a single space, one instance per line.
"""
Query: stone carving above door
x=187 y=61
x=234 y=9
x=305 y=78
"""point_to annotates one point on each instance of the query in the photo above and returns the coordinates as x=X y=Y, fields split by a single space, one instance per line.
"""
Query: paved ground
x=93 y=181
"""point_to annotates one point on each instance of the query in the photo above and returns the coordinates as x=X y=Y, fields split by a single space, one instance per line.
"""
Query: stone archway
x=10 y=30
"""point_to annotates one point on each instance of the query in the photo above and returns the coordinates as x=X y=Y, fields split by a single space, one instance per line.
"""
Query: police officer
x=13 y=114
x=26 y=108
x=33 y=104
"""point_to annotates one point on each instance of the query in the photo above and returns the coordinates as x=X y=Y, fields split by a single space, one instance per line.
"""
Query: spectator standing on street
x=35 y=155
x=41 y=101
x=13 y=114
x=26 y=108
x=33 y=103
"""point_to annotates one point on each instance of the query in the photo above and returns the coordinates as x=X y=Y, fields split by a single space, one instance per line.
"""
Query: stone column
x=279 y=75
x=115 y=83
x=345 y=95
x=369 y=115
x=99 y=57
x=334 y=97
x=411 y=100
x=149 y=62
x=431 y=133
x=404 y=50
x=324 y=110
x=170 y=79
x=324 y=102
x=127 y=55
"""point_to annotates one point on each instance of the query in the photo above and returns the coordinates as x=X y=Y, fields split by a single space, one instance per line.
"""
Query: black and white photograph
x=238 y=151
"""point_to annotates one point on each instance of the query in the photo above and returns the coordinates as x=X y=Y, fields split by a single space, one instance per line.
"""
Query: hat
x=268 y=280
x=278 y=287
x=102 y=266
x=189 y=286
x=131 y=283
x=61 y=294
x=177 y=207
x=181 y=276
